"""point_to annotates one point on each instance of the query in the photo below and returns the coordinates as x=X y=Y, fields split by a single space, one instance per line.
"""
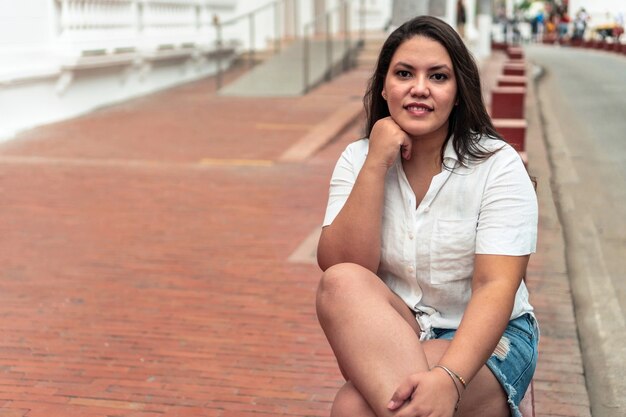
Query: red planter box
x=513 y=131
x=499 y=46
x=511 y=81
x=515 y=52
x=514 y=69
x=577 y=43
x=507 y=102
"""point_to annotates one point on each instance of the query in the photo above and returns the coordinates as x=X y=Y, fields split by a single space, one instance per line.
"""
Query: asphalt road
x=582 y=95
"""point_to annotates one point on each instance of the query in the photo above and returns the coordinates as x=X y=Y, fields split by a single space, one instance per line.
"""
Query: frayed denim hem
x=514 y=359
x=511 y=392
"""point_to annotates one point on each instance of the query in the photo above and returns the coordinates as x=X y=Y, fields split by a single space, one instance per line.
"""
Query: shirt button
x=411 y=269
x=411 y=236
x=426 y=209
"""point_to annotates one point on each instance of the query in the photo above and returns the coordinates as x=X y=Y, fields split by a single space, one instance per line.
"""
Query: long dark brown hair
x=469 y=120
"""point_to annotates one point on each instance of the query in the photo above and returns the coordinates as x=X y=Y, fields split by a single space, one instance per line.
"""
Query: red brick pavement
x=143 y=265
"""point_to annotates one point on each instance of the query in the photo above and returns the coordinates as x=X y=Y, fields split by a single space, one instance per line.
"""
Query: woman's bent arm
x=354 y=235
x=494 y=285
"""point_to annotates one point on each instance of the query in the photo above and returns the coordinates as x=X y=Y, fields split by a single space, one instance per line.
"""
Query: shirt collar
x=450 y=157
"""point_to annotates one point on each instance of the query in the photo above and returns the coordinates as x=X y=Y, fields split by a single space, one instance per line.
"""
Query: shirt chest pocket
x=452 y=248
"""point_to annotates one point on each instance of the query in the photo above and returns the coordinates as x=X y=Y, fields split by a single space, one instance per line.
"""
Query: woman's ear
x=384 y=94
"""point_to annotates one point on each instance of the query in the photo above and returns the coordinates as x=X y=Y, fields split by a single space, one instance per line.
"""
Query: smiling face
x=420 y=88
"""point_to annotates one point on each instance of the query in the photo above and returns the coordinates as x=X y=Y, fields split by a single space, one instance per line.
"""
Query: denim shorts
x=514 y=360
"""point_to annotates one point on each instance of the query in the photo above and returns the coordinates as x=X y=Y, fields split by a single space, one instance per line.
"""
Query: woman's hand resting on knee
x=424 y=394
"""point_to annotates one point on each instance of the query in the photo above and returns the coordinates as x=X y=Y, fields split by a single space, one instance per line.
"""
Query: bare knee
x=347 y=286
x=337 y=286
x=349 y=403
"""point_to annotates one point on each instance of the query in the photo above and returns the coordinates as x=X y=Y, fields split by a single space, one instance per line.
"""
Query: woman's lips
x=418 y=108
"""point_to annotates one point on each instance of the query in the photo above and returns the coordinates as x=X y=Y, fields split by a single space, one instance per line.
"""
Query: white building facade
x=63 y=58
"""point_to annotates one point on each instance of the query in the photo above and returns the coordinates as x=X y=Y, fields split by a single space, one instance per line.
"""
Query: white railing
x=110 y=26
x=87 y=15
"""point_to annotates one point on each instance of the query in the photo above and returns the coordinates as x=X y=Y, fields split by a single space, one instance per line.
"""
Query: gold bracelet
x=459 y=377
x=456 y=406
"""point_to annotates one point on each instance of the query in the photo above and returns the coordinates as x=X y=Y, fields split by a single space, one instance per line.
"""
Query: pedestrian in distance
x=430 y=223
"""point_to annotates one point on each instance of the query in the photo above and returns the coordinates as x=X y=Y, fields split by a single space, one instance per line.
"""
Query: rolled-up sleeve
x=343 y=179
x=507 y=223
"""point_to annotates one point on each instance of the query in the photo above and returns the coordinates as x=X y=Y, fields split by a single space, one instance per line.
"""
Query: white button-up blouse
x=427 y=254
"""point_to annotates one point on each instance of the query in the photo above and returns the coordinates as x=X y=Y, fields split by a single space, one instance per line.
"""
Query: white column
x=471 y=33
x=484 y=28
x=450 y=15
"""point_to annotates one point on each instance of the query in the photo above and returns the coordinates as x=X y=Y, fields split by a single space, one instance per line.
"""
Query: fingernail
x=392 y=404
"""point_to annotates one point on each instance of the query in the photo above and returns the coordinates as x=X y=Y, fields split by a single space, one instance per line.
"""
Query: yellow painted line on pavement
x=282 y=126
x=237 y=162
x=117 y=404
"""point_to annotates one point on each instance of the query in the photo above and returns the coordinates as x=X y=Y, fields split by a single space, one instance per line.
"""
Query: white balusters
x=110 y=25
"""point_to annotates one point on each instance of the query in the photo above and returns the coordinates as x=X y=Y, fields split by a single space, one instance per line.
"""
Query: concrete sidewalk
x=157 y=259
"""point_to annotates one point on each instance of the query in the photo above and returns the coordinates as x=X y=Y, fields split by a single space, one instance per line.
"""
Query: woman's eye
x=403 y=74
x=440 y=77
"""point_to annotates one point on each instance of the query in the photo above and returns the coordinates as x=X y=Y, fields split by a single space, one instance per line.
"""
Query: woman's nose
x=420 y=88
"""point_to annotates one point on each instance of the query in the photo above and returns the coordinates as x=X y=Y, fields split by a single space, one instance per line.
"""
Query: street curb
x=549 y=283
x=323 y=133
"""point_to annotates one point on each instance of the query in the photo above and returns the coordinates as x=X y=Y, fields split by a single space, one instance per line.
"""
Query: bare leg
x=484 y=397
x=374 y=337
x=350 y=403
x=371 y=331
